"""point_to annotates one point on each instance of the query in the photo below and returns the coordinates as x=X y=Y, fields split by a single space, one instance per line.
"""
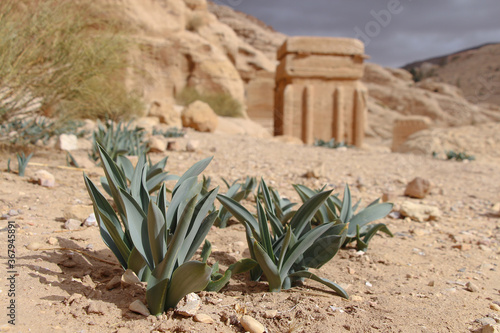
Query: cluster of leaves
x=63 y=58
x=22 y=163
x=461 y=156
x=237 y=191
x=118 y=139
x=154 y=237
x=292 y=245
x=170 y=133
x=223 y=104
x=38 y=129
x=332 y=144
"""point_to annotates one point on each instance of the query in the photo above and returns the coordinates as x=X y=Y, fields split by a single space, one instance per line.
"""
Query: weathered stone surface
x=188 y=306
x=418 y=188
x=67 y=142
x=44 y=178
x=404 y=127
x=419 y=212
x=200 y=116
x=203 y=318
x=72 y=224
x=129 y=278
x=166 y=113
x=317 y=80
x=157 y=144
x=491 y=328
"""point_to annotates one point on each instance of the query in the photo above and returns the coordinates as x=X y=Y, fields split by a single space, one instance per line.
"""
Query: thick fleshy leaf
x=110 y=243
x=238 y=211
x=269 y=268
x=325 y=247
x=305 y=194
x=156 y=294
x=301 y=246
x=200 y=213
x=127 y=167
x=194 y=171
x=154 y=183
x=264 y=231
x=136 y=262
x=218 y=284
x=367 y=215
x=202 y=233
x=276 y=225
x=307 y=211
x=138 y=227
x=205 y=252
x=346 y=208
x=156 y=233
x=284 y=247
x=362 y=245
x=332 y=285
x=267 y=197
x=192 y=276
x=177 y=199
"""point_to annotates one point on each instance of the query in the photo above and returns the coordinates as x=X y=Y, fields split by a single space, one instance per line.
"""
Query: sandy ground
x=414 y=282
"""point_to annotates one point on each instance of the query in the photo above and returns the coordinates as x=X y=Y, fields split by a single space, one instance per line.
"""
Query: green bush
x=62 y=58
x=223 y=104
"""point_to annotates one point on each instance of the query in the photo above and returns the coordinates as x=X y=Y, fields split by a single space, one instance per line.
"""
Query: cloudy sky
x=395 y=32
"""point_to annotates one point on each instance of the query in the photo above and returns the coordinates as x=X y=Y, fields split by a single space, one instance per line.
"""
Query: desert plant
x=170 y=133
x=461 y=156
x=285 y=252
x=330 y=144
x=345 y=211
x=236 y=191
x=222 y=103
x=118 y=139
x=155 y=238
x=62 y=58
x=38 y=129
x=22 y=162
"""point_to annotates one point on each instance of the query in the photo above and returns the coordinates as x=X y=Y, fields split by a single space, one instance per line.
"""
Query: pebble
x=139 y=307
x=33 y=246
x=129 y=278
x=472 y=287
x=190 y=304
x=491 y=328
x=52 y=241
x=356 y=298
x=44 y=178
x=172 y=146
x=495 y=307
x=13 y=212
x=78 y=212
x=269 y=314
x=90 y=221
x=418 y=188
x=419 y=212
x=203 y=318
x=486 y=321
x=72 y=224
x=114 y=282
x=252 y=325
x=97 y=308
x=192 y=145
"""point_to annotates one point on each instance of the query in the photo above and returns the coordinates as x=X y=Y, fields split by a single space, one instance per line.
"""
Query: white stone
x=44 y=178
x=251 y=325
x=67 y=142
x=139 y=307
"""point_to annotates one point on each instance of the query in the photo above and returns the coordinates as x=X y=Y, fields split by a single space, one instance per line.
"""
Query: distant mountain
x=476 y=71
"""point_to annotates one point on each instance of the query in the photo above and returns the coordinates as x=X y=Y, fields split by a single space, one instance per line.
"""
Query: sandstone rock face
x=240 y=126
x=200 y=116
x=166 y=113
x=406 y=126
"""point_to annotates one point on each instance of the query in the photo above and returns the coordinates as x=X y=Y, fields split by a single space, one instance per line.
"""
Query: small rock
x=172 y=146
x=52 y=241
x=495 y=307
x=316 y=172
x=472 y=287
x=67 y=142
x=203 y=318
x=78 y=212
x=419 y=212
x=97 y=307
x=486 y=321
x=114 y=282
x=270 y=314
x=192 y=145
x=13 y=212
x=431 y=283
x=252 y=325
x=491 y=328
x=90 y=221
x=72 y=298
x=139 y=307
x=418 y=188
x=356 y=298
x=72 y=224
x=33 y=246
x=189 y=305
x=157 y=144
x=44 y=178
x=462 y=247
x=389 y=196
x=129 y=278
x=87 y=282
x=200 y=116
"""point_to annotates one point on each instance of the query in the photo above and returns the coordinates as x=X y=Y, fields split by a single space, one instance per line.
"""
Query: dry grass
x=62 y=58
x=223 y=104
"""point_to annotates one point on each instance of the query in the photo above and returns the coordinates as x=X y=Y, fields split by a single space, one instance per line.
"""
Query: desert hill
x=476 y=71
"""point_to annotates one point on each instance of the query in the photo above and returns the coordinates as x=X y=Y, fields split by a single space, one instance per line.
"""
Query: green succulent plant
x=22 y=162
x=345 y=211
x=236 y=191
x=461 y=156
x=286 y=252
x=118 y=139
x=153 y=237
x=332 y=144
